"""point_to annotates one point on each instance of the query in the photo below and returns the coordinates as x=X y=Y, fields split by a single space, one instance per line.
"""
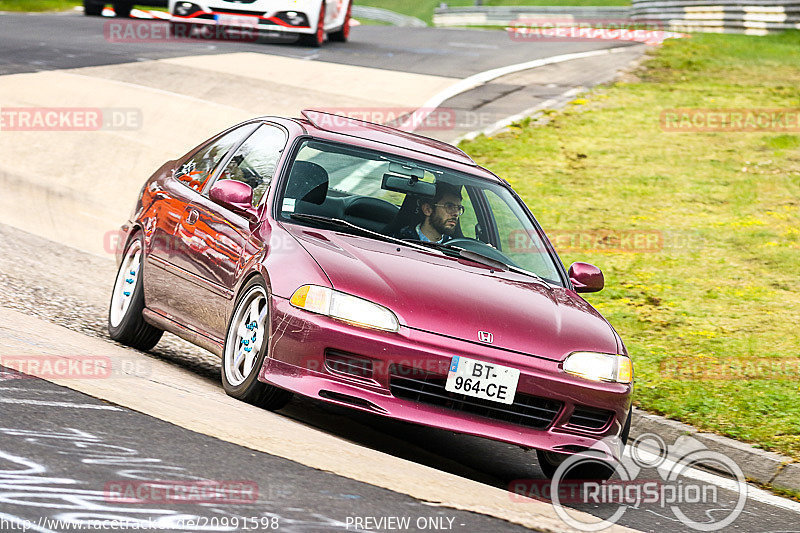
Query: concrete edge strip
x=486 y=76
x=501 y=124
x=763 y=467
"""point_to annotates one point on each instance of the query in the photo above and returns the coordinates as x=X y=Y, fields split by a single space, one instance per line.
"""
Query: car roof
x=361 y=129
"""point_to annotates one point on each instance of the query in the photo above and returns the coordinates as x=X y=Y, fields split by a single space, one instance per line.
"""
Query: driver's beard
x=438 y=224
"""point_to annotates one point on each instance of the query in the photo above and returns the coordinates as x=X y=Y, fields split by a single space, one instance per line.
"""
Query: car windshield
x=394 y=197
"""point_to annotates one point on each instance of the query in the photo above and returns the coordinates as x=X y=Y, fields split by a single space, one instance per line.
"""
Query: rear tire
x=122 y=9
x=126 y=324
x=92 y=9
x=246 y=347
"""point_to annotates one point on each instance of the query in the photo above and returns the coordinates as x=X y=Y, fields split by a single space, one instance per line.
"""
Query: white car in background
x=312 y=20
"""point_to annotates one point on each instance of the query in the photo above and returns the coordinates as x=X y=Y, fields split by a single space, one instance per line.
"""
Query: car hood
x=460 y=298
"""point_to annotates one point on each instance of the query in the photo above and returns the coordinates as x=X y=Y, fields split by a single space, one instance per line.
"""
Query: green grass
x=371 y=22
x=38 y=5
x=423 y=9
x=722 y=292
x=52 y=5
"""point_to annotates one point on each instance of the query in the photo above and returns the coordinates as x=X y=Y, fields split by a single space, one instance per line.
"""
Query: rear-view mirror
x=407 y=185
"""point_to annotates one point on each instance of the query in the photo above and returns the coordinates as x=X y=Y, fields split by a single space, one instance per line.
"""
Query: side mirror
x=586 y=277
x=236 y=196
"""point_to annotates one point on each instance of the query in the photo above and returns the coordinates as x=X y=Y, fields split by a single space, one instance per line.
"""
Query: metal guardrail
x=384 y=15
x=755 y=17
x=505 y=15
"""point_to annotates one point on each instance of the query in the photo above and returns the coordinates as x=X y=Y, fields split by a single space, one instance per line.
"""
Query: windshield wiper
x=419 y=245
x=483 y=259
x=345 y=224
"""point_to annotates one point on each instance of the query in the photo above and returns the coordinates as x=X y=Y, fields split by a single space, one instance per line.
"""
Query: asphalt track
x=65 y=286
x=34 y=42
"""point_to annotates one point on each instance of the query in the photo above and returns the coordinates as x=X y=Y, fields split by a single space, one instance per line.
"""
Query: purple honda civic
x=378 y=270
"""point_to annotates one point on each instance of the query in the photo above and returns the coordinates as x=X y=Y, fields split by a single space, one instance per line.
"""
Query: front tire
x=341 y=35
x=590 y=468
x=126 y=324
x=246 y=347
x=316 y=39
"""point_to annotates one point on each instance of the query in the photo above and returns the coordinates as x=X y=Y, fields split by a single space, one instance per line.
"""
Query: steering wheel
x=480 y=247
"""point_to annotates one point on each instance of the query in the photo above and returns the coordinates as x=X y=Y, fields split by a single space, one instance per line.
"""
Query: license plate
x=241 y=21
x=482 y=380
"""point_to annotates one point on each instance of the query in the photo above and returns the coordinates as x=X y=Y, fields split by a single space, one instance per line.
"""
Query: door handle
x=193 y=216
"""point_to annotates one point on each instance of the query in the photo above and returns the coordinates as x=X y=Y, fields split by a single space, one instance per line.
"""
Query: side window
x=256 y=159
x=519 y=240
x=197 y=169
x=469 y=220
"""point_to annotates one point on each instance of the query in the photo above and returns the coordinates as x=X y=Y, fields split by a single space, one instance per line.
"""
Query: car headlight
x=352 y=309
x=600 y=366
x=183 y=9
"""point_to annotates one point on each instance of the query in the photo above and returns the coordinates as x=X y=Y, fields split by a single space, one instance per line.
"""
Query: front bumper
x=266 y=22
x=297 y=362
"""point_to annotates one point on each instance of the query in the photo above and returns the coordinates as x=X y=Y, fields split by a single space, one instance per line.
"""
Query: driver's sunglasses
x=452 y=208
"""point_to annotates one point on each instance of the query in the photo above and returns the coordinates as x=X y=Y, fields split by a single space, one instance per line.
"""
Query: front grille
x=420 y=386
x=590 y=417
x=227 y=11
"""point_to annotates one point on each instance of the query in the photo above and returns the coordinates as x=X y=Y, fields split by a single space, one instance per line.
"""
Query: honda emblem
x=485 y=336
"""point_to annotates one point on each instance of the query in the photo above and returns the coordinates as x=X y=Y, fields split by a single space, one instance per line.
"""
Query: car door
x=222 y=238
x=165 y=280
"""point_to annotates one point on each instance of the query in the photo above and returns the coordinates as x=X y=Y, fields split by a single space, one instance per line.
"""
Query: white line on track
x=18 y=389
x=753 y=493
x=60 y=404
x=500 y=124
x=473 y=45
x=488 y=75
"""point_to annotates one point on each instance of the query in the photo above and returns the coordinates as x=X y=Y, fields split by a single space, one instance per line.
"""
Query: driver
x=441 y=216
